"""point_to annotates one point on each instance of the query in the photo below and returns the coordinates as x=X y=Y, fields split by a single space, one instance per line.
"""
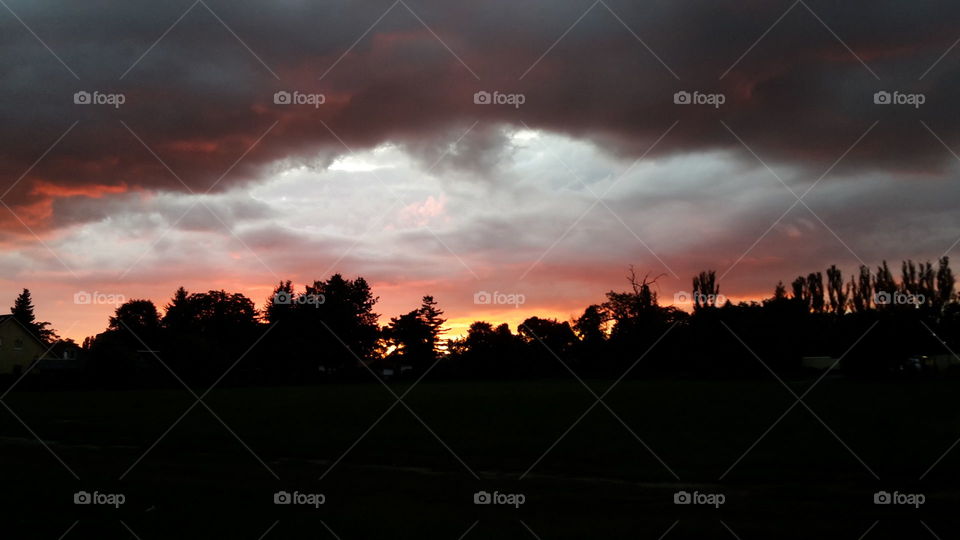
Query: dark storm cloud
x=200 y=99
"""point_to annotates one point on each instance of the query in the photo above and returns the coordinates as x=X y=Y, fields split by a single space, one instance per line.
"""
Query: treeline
x=878 y=325
x=872 y=325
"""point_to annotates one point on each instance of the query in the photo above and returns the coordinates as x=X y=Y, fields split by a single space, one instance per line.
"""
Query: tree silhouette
x=917 y=281
x=204 y=333
x=884 y=287
x=626 y=308
x=945 y=283
x=219 y=313
x=815 y=292
x=138 y=316
x=706 y=290
x=490 y=352
x=861 y=290
x=281 y=303
x=22 y=311
x=546 y=340
x=800 y=292
x=780 y=292
x=557 y=336
x=927 y=285
x=178 y=314
x=837 y=292
x=322 y=330
x=590 y=325
x=346 y=307
x=121 y=354
x=415 y=336
x=866 y=286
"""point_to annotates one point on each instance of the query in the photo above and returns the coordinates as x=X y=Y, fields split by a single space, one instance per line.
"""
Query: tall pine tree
x=22 y=311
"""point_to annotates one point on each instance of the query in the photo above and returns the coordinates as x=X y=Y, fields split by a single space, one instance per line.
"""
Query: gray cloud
x=199 y=98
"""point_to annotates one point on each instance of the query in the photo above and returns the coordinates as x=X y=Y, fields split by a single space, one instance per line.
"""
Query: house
x=18 y=346
x=62 y=356
x=63 y=350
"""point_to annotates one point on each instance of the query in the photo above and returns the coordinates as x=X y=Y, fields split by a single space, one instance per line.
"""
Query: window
x=18 y=344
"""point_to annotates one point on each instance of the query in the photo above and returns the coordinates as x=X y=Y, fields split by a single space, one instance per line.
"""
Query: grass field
x=404 y=477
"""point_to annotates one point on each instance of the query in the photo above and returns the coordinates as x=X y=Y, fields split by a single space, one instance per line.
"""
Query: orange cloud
x=50 y=189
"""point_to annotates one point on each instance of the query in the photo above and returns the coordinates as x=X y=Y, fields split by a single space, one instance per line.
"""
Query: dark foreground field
x=404 y=477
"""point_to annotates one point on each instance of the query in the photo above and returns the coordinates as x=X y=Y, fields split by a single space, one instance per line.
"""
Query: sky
x=508 y=158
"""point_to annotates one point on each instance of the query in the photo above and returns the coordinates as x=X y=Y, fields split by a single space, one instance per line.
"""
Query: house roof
x=10 y=317
x=61 y=346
